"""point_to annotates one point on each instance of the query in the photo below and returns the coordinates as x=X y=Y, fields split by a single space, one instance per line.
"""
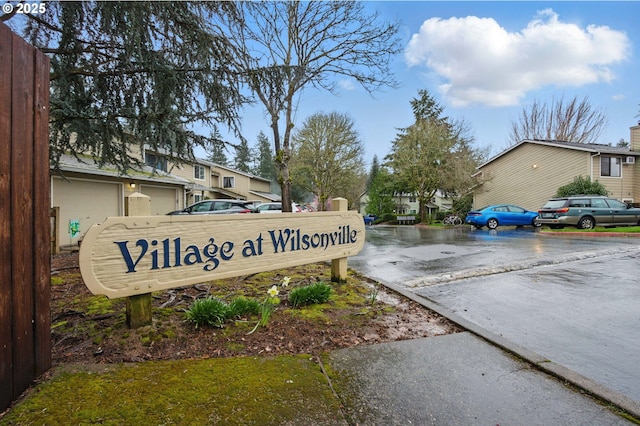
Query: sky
x=485 y=62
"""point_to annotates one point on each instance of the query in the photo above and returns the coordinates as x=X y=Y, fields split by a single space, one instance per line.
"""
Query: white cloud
x=482 y=63
x=346 y=85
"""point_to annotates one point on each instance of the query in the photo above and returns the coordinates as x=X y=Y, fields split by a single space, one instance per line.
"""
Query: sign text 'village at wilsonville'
x=126 y=256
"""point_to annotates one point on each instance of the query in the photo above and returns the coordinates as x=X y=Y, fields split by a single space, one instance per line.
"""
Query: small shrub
x=242 y=306
x=56 y=281
x=307 y=295
x=210 y=312
x=582 y=185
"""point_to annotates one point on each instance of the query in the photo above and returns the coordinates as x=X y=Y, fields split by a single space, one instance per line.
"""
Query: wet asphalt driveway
x=574 y=300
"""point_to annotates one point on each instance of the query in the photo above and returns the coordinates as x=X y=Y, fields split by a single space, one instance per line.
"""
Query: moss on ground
x=230 y=391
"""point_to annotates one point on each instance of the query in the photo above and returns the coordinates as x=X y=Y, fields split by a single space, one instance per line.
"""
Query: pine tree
x=138 y=72
x=264 y=164
x=242 y=158
x=373 y=172
x=217 y=154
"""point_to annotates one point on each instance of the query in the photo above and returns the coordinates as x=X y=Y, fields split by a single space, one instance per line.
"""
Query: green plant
x=307 y=295
x=582 y=185
x=210 y=312
x=268 y=305
x=242 y=306
x=373 y=294
x=56 y=281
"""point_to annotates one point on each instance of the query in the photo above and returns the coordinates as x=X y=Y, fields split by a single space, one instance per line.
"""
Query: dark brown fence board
x=25 y=263
x=6 y=358
x=42 y=198
x=22 y=215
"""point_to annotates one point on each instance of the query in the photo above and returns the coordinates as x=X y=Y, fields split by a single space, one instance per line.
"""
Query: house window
x=156 y=161
x=228 y=182
x=198 y=172
x=197 y=198
x=610 y=166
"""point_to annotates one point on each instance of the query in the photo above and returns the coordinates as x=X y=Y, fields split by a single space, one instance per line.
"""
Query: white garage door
x=88 y=202
x=163 y=200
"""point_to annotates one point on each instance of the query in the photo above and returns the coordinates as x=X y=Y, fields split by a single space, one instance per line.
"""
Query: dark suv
x=587 y=211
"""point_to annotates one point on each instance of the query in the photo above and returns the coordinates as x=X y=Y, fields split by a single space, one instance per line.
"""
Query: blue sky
x=486 y=61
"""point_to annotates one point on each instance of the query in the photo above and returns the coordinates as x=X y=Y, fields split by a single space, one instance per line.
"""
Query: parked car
x=587 y=211
x=369 y=219
x=502 y=215
x=276 y=208
x=217 y=207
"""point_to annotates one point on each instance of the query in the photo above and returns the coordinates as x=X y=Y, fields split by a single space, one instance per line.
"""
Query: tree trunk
x=282 y=159
x=421 y=211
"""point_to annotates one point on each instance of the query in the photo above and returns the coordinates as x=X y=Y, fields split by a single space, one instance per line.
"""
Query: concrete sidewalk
x=469 y=378
x=457 y=379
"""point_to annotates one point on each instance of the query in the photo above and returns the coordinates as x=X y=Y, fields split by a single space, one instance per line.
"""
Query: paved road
x=573 y=300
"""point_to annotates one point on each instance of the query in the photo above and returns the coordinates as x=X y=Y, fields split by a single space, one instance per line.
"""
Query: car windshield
x=554 y=204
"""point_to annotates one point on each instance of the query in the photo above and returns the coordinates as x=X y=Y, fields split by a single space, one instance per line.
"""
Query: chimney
x=634 y=142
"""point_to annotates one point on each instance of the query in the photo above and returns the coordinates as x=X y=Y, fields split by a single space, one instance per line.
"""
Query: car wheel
x=492 y=223
x=535 y=222
x=586 y=222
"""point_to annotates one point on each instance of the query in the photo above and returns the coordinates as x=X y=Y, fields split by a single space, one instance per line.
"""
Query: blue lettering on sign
x=172 y=253
x=293 y=239
x=210 y=255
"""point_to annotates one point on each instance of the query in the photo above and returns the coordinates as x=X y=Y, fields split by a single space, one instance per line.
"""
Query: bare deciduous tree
x=573 y=121
x=328 y=158
x=283 y=47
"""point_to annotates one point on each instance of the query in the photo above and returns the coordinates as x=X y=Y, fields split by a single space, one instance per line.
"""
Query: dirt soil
x=92 y=329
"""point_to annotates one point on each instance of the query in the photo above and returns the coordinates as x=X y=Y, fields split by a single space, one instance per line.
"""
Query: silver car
x=217 y=207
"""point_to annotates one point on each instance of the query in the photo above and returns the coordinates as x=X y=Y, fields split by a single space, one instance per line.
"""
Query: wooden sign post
x=339 y=266
x=137 y=255
x=138 y=307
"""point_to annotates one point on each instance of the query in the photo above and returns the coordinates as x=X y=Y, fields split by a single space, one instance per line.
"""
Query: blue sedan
x=503 y=215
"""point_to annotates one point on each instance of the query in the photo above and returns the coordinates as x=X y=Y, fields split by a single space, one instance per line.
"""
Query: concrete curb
x=545 y=365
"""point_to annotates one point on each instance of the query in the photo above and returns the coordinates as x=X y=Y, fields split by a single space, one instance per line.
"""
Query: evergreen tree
x=264 y=164
x=380 y=194
x=135 y=72
x=375 y=169
x=217 y=154
x=242 y=159
x=432 y=154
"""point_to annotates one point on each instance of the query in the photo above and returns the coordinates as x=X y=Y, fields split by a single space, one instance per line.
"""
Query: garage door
x=163 y=200
x=87 y=202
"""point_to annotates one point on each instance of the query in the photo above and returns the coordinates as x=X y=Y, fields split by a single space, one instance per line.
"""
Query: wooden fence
x=25 y=318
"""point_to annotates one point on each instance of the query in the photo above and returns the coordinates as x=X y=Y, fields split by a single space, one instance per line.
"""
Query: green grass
x=619 y=229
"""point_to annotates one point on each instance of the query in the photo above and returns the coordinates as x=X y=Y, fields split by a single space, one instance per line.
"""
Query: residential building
x=86 y=194
x=407 y=204
x=530 y=172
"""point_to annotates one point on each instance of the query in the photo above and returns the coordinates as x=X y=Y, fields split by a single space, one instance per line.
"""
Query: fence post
x=339 y=266
x=138 y=306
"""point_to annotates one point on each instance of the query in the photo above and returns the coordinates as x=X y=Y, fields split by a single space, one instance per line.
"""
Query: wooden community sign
x=127 y=256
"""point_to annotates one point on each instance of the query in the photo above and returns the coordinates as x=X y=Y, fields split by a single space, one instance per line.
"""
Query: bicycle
x=452 y=220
